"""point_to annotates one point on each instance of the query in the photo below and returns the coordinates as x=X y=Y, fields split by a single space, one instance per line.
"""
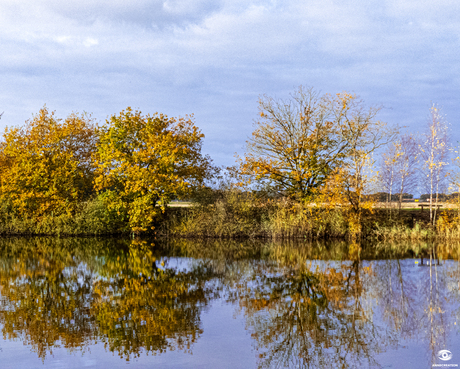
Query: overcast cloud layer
x=214 y=58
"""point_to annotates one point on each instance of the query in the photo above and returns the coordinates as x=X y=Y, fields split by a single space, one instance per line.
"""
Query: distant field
x=379 y=205
x=180 y=204
x=412 y=205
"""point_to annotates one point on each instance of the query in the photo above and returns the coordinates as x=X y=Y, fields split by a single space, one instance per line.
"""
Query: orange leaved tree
x=45 y=165
x=145 y=161
x=297 y=144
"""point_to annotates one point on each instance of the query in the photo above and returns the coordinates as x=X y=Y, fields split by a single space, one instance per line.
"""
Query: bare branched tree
x=399 y=168
x=407 y=165
x=387 y=172
x=434 y=152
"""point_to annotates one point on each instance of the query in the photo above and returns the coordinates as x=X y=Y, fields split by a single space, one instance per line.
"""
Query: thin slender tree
x=434 y=151
x=407 y=165
x=387 y=172
x=454 y=180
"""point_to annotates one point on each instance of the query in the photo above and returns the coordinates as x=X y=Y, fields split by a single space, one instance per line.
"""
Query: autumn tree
x=46 y=165
x=434 y=155
x=145 y=161
x=298 y=143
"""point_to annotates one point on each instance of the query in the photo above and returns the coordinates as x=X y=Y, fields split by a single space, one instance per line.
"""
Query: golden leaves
x=300 y=142
x=145 y=161
x=46 y=164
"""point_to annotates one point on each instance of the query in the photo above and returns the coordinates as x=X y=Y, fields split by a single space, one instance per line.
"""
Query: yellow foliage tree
x=45 y=165
x=145 y=161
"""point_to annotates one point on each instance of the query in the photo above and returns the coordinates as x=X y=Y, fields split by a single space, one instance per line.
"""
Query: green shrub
x=91 y=218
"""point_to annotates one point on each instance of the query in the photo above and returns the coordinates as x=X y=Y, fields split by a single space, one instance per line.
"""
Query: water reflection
x=355 y=311
x=141 y=307
x=71 y=294
x=45 y=300
x=301 y=318
x=306 y=305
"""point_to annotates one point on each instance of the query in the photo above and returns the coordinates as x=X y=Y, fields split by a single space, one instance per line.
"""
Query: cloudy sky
x=214 y=58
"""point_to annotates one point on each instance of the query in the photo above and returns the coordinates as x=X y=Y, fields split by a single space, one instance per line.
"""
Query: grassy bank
x=233 y=215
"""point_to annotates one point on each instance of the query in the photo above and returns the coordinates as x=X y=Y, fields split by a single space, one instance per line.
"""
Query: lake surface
x=87 y=303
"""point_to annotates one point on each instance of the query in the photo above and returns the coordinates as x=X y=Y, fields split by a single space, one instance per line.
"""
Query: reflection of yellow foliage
x=146 y=308
x=42 y=304
x=354 y=250
x=52 y=297
x=300 y=313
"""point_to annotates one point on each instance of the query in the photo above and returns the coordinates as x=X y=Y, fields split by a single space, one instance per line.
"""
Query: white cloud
x=89 y=41
x=63 y=39
x=214 y=57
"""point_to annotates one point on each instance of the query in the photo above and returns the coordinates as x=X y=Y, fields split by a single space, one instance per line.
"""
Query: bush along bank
x=91 y=218
x=237 y=216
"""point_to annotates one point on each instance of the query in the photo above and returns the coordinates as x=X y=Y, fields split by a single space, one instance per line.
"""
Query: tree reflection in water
x=341 y=311
x=73 y=296
x=45 y=299
x=142 y=307
x=311 y=316
x=343 y=314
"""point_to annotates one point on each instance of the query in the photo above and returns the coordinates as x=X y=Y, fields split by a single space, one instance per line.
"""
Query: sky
x=215 y=58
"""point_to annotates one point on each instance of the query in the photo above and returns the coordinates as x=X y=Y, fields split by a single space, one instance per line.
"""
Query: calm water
x=87 y=303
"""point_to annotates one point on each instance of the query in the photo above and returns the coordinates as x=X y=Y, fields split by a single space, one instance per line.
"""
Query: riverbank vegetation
x=315 y=166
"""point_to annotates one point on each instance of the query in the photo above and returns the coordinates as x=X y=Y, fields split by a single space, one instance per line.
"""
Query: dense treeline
x=74 y=176
x=386 y=197
x=309 y=170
